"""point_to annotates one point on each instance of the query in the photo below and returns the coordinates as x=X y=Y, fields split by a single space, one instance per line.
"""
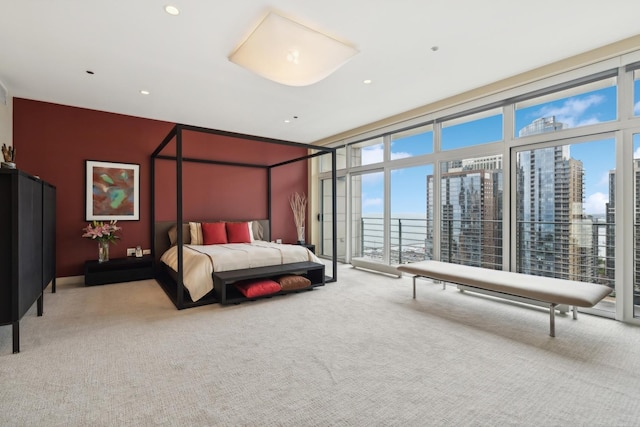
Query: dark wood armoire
x=27 y=245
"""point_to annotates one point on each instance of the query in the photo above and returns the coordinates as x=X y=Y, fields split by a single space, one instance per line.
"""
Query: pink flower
x=101 y=231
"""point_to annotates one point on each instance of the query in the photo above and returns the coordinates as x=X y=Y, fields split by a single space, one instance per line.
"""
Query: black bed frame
x=172 y=282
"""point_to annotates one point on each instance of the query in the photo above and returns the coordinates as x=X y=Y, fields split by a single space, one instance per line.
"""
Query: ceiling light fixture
x=367 y=81
x=290 y=53
x=145 y=92
x=172 y=10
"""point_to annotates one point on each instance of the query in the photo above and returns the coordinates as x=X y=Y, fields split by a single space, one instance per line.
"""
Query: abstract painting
x=112 y=191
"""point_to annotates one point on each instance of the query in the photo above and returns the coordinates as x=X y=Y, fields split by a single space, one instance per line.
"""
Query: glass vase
x=103 y=251
x=301 y=235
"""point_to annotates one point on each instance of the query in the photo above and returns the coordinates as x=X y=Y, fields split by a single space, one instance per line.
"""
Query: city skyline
x=598 y=157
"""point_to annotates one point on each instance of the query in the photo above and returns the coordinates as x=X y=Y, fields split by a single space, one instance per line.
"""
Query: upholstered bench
x=537 y=288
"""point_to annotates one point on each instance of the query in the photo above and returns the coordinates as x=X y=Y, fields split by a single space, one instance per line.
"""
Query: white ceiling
x=47 y=46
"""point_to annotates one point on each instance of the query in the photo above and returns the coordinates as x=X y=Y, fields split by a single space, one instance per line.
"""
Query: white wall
x=6 y=122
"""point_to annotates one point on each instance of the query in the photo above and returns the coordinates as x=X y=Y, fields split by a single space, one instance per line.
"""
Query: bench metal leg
x=575 y=312
x=552 y=320
x=414 y=287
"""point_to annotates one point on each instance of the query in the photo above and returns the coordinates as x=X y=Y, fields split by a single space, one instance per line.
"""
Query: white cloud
x=376 y=201
x=399 y=155
x=373 y=154
x=587 y=121
x=572 y=110
x=636 y=108
x=636 y=153
x=595 y=203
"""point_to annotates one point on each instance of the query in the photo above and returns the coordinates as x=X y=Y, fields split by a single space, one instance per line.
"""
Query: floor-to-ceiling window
x=326 y=207
x=472 y=129
x=582 y=105
x=367 y=215
x=411 y=224
x=636 y=224
x=545 y=155
x=410 y=227
x=565 y=222
x=471 y=211
x=326 y=218
x=565 y=192
x=636 y=92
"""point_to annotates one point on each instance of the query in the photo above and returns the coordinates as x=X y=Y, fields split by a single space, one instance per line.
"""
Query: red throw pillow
x=258 y=288
x=214 y=233
x=238 y=232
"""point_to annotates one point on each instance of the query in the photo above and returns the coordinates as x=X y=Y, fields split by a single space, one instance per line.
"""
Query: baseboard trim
x=70 y=280
x=369 y=264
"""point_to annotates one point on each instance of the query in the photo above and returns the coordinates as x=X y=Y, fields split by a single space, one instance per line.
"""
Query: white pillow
x=250 y=224
x=195 y=230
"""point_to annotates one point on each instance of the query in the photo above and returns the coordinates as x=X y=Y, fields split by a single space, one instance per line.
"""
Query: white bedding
x=200 y=261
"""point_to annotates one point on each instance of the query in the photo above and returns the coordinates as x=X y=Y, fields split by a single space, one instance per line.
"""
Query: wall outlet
x=131 y=251
x=146 y=252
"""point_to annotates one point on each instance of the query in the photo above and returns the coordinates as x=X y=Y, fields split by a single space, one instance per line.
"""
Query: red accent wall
x=53 y=141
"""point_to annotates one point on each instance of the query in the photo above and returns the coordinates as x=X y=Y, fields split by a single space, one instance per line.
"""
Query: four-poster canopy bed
x=236 y=256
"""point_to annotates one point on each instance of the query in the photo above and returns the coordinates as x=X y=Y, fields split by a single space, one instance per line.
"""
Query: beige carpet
x=359 y=352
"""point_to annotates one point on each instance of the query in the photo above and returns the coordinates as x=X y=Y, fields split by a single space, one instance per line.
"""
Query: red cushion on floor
x=258 y=288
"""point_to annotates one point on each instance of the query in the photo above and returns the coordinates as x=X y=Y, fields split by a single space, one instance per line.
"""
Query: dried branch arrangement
x=298 y=206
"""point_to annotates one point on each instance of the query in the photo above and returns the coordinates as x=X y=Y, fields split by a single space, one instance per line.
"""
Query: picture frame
x=112 y=191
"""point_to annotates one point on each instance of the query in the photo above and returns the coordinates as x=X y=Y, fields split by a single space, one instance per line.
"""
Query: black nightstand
x=118 y=270
x=309 y=246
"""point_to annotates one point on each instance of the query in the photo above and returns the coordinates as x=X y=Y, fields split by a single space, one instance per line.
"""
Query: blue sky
x=408 y=186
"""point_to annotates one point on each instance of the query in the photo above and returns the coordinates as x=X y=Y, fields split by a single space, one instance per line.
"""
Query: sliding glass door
x=636 y=224
x=326 y=218
x=565 y=213
x=367 y=216
x=411 y=222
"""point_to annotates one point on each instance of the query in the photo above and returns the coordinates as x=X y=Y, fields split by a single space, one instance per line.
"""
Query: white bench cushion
x=545 y=289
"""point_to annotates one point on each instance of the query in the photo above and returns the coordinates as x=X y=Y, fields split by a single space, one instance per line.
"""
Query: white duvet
x=200 y=261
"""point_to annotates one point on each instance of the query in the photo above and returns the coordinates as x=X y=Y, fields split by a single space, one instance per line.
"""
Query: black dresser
x=27 y=245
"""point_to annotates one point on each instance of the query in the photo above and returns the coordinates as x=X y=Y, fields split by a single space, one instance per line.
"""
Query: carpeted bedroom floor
x=359 y=352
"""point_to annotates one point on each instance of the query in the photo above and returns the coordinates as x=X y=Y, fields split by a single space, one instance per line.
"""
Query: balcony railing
x=582 y=250
x=411 y=239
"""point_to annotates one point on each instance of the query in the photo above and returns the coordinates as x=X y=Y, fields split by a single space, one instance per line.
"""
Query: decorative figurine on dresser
x=27 y=245
x=9 y=154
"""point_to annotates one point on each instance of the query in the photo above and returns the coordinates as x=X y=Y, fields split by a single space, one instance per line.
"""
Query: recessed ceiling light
x=145 y=92
x=367 y=81
x=172 y=10
x=287 y=121
x=434 y=48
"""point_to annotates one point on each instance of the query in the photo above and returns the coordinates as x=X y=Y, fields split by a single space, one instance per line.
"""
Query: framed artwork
x=112 y=191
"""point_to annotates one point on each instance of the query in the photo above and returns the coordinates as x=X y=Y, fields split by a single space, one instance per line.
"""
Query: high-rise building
x=610 y=215
x=471 y=211
x=555 y=237
x=611 y=211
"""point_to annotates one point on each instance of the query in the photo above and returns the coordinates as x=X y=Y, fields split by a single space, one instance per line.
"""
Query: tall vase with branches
x=298 y=206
